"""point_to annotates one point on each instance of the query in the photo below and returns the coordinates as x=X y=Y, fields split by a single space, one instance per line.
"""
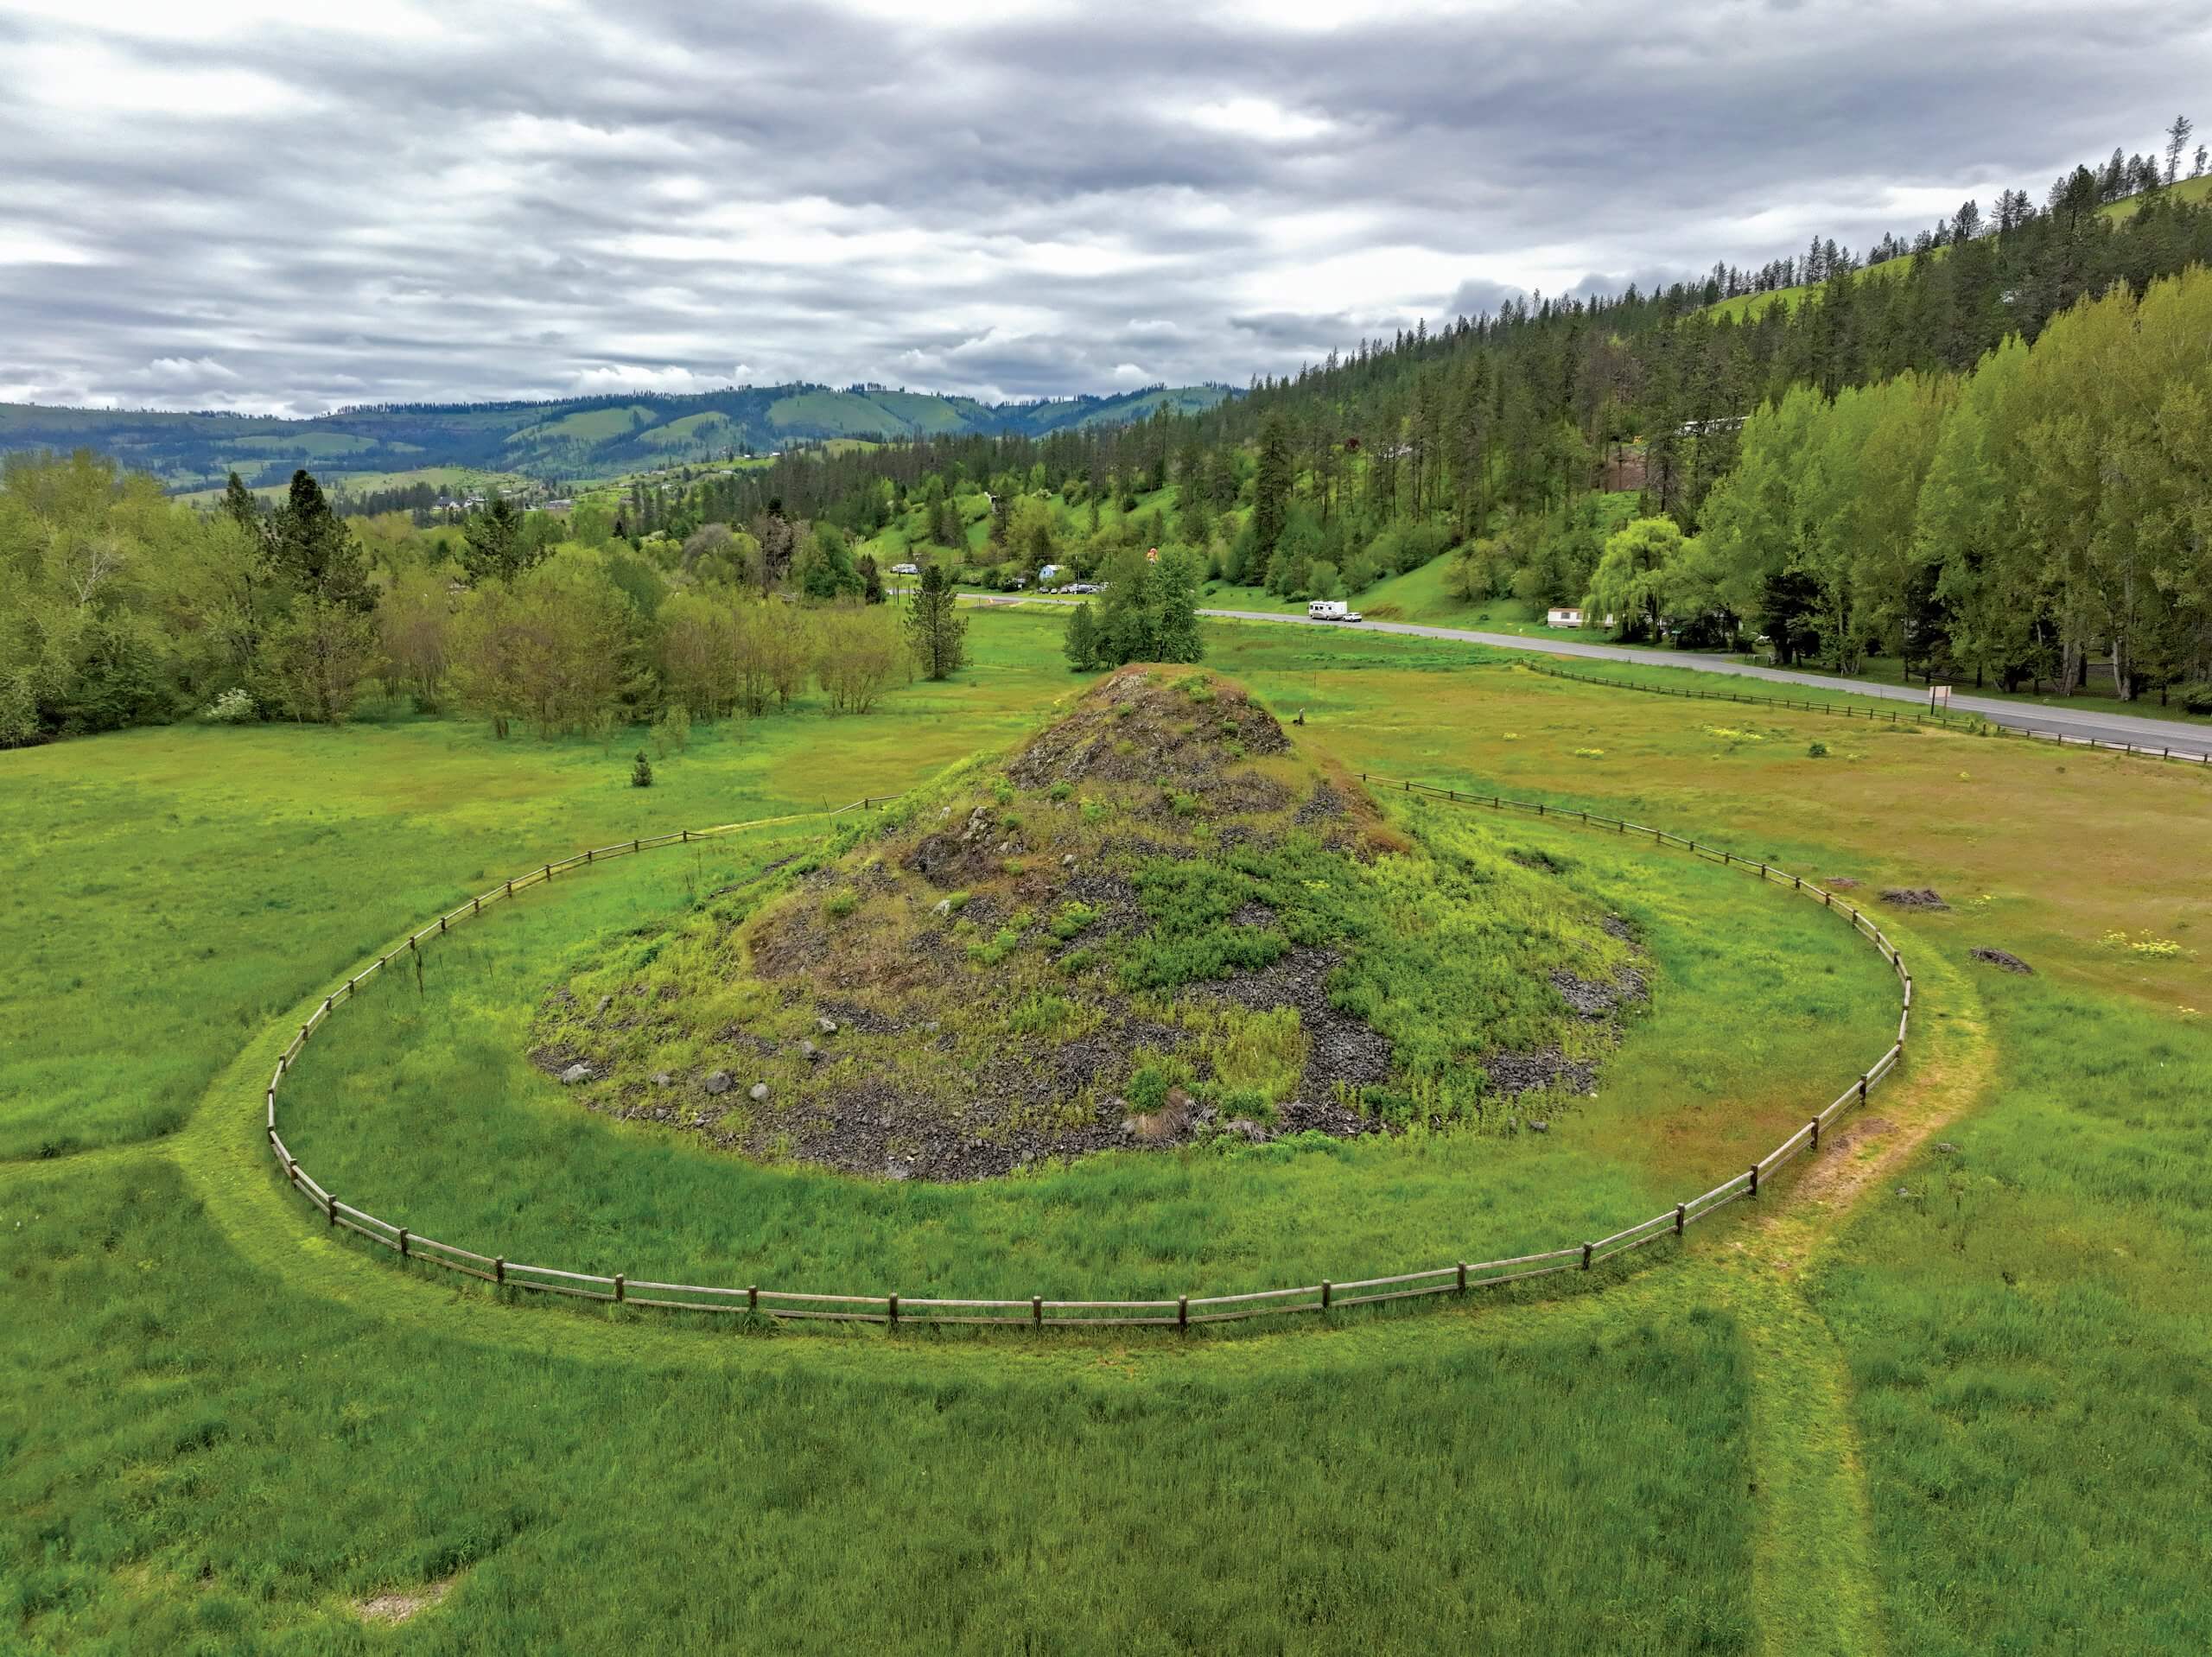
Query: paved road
x=2081 y=726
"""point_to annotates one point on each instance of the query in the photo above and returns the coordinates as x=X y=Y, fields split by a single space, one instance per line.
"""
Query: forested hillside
x=1517 y=440
x=583 y=437
x=1985 y=460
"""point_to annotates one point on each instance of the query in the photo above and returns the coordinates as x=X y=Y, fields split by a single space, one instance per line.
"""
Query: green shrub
x=1002 y=944
x=838 y=904
x=641 y=772
x=1059 y=791
x=1072 y=920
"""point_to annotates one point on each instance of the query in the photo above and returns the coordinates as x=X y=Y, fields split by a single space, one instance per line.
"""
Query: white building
x=1563 y=616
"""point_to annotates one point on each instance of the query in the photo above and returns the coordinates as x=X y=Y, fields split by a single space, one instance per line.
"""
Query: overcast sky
x=229 y=204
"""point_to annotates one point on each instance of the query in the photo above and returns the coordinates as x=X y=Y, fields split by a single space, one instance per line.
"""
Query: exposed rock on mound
x=1914 y=898
x=1157 y=923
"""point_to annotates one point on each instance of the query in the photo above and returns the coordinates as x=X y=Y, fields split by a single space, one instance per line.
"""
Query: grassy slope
x=225 y=1465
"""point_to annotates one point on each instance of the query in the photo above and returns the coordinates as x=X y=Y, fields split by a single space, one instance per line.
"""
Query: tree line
x=121 y=607
x=2048 y=509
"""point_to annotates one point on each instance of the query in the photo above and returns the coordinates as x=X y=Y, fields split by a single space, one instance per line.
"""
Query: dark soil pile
x=1156 y=923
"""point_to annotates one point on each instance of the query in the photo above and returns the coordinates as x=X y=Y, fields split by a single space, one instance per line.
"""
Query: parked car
x=906 y=569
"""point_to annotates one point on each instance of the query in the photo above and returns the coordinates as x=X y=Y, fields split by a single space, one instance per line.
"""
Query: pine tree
x=494 y=548
x=1271 y=484
x=936 y=631
x=1175 y=635
x=311 y=548
x=1081 y=643
x=242 y=507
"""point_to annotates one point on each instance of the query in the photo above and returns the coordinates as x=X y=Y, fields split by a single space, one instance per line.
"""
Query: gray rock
x=720 y=1081
x=808 y=1052
x=1947 y=1147
x=758 y=1092
x=1068 y=861
x=605 y=1002
x=1538 y=1126
x=661 y=1079
x=895 y=1169
x=1247 y=1128
x=826 y=1027
x=943 y=906
x=575 y=1073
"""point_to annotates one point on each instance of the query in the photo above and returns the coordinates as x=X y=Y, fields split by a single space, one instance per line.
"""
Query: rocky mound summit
x=1157 y=922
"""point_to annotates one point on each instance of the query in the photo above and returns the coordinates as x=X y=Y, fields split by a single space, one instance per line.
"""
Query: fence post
x=1037 y=1310
x=1755 y=1179
x=1463 y=1277
x=893 y=1302
x=618 y=1286
x=402 y=1242
x=1681 y=1216
x=330 y=1210
x=1327 y=1288
x=499 y=1269
x=1586 y=1256
x=1816 y=1133
x=1182 y=1311
x=1862 y=1090
x=752 y=1298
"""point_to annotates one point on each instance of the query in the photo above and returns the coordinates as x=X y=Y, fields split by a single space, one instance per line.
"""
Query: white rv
x=1331 y=610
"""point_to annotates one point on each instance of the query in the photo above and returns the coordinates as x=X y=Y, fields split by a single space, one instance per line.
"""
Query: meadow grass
x=187 y=1474
x=420 y=1105
x=2022 y=1312
x=1967 y=1418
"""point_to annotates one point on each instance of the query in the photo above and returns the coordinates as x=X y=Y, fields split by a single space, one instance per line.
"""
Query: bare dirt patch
x=399 y=1605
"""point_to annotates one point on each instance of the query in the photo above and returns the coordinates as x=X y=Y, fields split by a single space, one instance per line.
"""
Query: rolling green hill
x=578 y=438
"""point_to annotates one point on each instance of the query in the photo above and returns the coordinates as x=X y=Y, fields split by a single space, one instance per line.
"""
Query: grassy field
x=1947 y=1395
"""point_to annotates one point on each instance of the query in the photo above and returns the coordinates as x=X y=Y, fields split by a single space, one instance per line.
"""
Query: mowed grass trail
x=1984 y=1398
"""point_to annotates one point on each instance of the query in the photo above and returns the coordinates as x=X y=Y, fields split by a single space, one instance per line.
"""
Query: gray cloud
x=419 y=203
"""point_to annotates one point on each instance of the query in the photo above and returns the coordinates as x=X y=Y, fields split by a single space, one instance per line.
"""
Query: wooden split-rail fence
x=1037 y=1311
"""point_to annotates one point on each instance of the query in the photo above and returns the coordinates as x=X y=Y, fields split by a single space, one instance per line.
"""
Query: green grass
x=188 y=1473
x=1970 y=1418
x=2024 y=1321
x=421 y=1107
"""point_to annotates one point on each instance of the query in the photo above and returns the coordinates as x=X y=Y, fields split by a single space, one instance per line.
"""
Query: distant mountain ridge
x=567 y=438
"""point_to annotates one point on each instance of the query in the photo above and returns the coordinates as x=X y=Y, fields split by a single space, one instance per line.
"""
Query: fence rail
x=1982 y=723
x=1038 y=1312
